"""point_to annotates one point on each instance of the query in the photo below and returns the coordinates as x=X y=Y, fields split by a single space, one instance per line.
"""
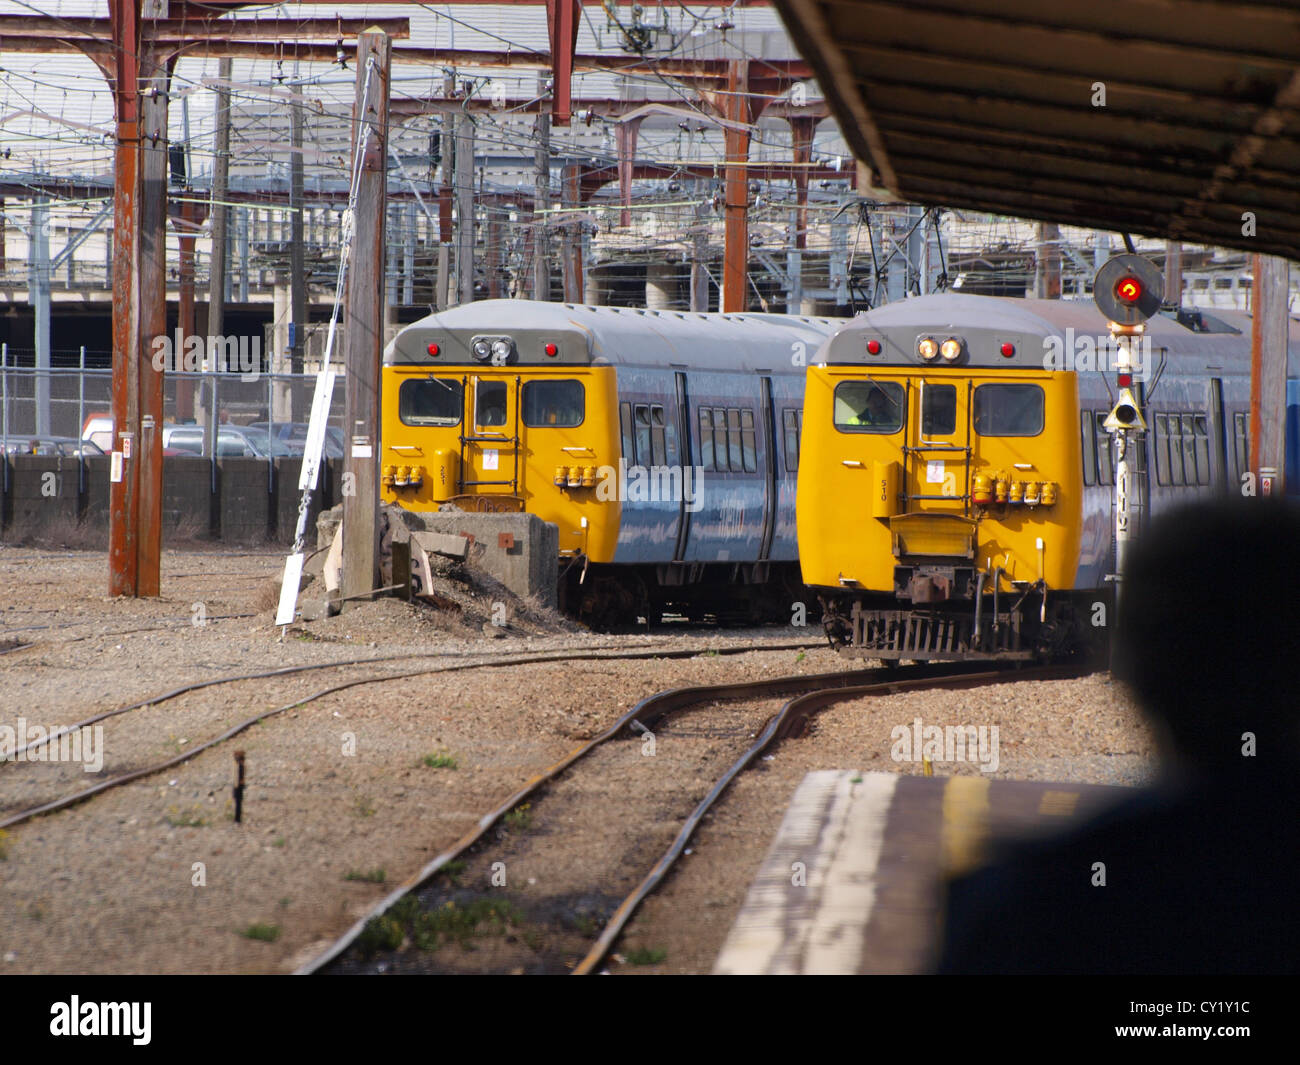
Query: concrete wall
x=528 y=567
x=243 y=503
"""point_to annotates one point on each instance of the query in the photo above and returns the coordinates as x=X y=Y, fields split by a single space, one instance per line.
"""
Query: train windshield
x=554 y=403
x=868 y=407
x=1008 y=410
x=430 y=401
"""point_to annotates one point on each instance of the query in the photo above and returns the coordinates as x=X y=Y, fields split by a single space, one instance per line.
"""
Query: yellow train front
x=661 y=444
x=942 y=509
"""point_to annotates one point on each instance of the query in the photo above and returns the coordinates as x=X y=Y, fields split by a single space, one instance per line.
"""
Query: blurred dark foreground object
x=1202 y=872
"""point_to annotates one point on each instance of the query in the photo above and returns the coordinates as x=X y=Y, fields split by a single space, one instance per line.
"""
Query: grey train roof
x=601 y=336
x=984 y=322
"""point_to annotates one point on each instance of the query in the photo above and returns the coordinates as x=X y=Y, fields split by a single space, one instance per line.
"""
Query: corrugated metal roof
x=1169 y=119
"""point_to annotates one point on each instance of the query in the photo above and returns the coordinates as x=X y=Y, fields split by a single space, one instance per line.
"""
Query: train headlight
x=500 y=351
x=482 y=350
x=950 y=349
x=927 y=348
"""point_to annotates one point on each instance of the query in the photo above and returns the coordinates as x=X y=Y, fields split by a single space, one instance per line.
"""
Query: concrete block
x=188 y=503
x=456 y=547
x=44 y=494
x=287 y=498
x=526 y=560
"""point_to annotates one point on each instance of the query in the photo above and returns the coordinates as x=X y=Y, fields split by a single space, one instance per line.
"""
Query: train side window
x=720 y=440
x=1189 y=450
x=790 y=425
x=559 y=404
x=939 y=410
x=735 y=460
x=1160 y=444
x=1105 y=462
x=1088 y=435
x=868 y=407
x=1009 y=410
x=430 y=401
x=641 y=425
x=625 y=423
x=748 y=446
x=658 y=449
x=1201 y=428
x=706 y=439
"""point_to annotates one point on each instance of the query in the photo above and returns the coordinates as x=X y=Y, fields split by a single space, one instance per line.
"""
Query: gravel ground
x=156 y=876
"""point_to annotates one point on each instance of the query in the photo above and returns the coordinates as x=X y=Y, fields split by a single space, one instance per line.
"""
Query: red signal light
x=1125 y=380
x=1008 y=350
x=873 y=347
x=1129 y=289
x=551 y=350
x=434 y=349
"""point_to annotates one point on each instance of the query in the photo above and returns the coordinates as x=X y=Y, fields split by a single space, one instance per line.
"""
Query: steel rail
x=787 y=722
x=559 y=655
x=650 y=709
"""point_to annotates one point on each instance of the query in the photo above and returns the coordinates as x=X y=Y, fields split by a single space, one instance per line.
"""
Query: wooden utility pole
x=1047 y=262
x=364 y=309
x=1268 y=357
x=297 y=266
x=541 y=201
x=218 y=263
x=465 y=208
x=1174 y=273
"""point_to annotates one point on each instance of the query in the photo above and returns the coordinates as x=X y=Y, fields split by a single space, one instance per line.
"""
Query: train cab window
x=735 y=457
x=490 y=403
x=430 y=401
x=706 y=438
x=625 y=425
x=939 y=410
x=1088 y=440
x=720 y=439
x=1008 y=410
x=790 y=419
x=868 y=407
x=1105 y=461
x=641 y=422
x=658 y=446
x=1201 y=431
x=561 y=404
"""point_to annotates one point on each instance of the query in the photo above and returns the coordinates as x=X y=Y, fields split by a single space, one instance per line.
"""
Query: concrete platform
x=852 y=882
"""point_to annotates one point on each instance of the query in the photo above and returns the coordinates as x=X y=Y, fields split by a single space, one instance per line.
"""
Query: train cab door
x=937 y=454
x=491 y=458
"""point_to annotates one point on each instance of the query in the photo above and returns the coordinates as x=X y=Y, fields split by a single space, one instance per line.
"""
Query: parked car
x=233 y=441
x=294 y=434
x=66 y=446
x=98 y=428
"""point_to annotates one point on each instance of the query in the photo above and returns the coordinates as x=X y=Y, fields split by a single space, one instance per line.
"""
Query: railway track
x=808 y=694
x=73 y=796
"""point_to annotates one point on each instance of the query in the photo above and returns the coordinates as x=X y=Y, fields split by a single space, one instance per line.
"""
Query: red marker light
x=873 y=347
x=551 y=350
x=1129 y=289
x=1008 y=350
x=1126 y=380
x=434 y=349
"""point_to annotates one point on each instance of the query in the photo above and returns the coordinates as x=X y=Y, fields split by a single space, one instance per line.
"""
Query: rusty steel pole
x=364 y=307
x=736 y=135
x=124 y=500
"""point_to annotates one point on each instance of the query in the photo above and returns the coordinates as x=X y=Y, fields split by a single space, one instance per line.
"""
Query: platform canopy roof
x=1169 y=118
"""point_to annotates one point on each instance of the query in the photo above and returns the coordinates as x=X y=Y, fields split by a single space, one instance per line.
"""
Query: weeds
x=364 y=806
x=191 y=818
x=4 y=845
x=646 y=956
x=266 y=933
x=429 y=930
x=520 y=819
x=440 y=760
x=372 y=876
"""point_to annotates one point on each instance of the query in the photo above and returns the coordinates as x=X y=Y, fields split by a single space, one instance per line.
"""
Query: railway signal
x=1128 y=289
